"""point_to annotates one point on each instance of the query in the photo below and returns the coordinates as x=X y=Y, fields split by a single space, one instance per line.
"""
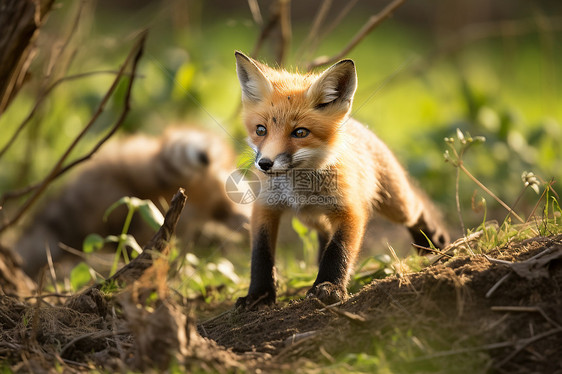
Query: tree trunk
x=20 y=21
x=19 y=26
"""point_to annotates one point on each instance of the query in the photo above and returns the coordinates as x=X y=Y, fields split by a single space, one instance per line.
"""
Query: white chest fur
x=300 y=189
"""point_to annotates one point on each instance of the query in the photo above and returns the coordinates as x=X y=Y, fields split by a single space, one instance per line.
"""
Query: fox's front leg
x=264 y=228
x=338 y=258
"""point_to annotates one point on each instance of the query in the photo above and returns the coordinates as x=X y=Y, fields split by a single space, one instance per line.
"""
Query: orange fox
x=325 y=166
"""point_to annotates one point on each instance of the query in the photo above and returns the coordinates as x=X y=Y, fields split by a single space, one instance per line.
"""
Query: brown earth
x=444 y=306
x=435 y=320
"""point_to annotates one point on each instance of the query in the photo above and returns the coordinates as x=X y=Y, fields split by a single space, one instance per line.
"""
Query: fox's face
x=201 y=162
x=294 y=120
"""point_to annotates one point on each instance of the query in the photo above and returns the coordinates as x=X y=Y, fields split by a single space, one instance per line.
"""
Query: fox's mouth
x=277 y=171
x=283 y=169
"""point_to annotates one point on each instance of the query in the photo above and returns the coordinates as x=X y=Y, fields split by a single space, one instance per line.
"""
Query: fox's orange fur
x=145 y=167
x=299 y=126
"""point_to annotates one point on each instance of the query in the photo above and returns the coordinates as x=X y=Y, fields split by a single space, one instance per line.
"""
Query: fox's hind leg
x=431 y=226
x=403 y=202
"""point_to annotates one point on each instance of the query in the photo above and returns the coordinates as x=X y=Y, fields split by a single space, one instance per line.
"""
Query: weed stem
x=490 y=193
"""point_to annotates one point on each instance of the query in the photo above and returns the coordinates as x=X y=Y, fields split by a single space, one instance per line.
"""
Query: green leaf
x=226 y=268
x=80 y=276
x=112 y=239
x=383 y=259
x=131 y=242
x=135 y=202
x=124 y=200
x=150 y=214
x=299 y=228
x=184 y=79
x=93 y=243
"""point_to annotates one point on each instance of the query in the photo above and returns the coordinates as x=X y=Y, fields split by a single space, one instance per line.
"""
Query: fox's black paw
x=255 y=302
x=432 y=230
x=328 y=293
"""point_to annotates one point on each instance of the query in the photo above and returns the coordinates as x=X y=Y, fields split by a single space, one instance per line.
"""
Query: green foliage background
x=505 y=88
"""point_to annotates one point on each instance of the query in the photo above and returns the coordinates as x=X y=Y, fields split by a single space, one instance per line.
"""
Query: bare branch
x=373 y=22
x=267 y=29
x=311 y=39
x=286 y=33
x=280 y=16
x=42 y=98
x=341 y=16
x=58 y=53
x=256 y=13
x=134 y=56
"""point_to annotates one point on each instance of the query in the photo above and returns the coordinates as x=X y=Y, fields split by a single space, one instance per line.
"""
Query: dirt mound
x=144 y=326
x=502 y=312
x=461 y=308
x=116 y=333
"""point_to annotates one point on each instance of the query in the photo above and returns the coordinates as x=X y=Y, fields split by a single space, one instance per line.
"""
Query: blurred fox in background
x=147 y=168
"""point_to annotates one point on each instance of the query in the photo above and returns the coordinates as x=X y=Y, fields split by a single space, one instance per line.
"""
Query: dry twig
x=133 y=58
x=341 y=15
x=308 y=45
x=497 y=285
x=157 y=245
x=267 y=29
x=256 y=13
x=300 y=336
x=526 y=309
x=40 y=99
x=521 y=267
x=520 y=344
x=373 y=22
x=91 y=301
x=286 y=33
x=280 y=17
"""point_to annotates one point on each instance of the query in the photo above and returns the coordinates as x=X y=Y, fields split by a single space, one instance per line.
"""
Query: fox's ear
x=336 y=86
x=255 y=85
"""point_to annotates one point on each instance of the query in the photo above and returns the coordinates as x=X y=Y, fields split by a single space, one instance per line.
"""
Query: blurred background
x=490 y=68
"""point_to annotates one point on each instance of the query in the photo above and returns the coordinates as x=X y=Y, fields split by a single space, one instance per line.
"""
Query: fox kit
x=326 y=167
x=145 y=167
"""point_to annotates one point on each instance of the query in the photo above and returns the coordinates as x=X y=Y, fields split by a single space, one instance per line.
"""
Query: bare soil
x=454 y=316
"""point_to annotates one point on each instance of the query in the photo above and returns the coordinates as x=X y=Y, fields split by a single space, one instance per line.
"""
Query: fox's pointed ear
x=255 y=86
x=335 y=87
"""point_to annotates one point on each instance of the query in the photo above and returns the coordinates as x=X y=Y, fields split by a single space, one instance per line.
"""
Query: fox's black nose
x=265 y=164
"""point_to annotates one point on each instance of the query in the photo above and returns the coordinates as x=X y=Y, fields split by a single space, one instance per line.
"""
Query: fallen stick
x=91 y=301
x=158 y=244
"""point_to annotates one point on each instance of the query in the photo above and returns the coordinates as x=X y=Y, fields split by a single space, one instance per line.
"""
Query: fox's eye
x=261 y=130
x=301 y=132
